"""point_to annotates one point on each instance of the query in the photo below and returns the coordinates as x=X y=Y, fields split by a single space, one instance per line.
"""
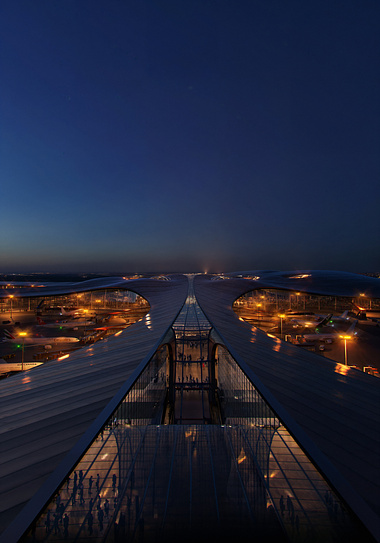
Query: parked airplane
x=343 y=318
x=77 y=312
x=38 y=340
x=329 y=337
x=64 y=324
x=310 y=320
x=116 y=320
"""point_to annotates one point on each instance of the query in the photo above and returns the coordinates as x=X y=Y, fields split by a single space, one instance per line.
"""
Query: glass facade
x=308 y=508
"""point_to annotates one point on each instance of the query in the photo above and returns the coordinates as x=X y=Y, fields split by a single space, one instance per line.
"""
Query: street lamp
x=258 y=308
x=11 y=299
x=281 y=317
x=22 y=334
x=345 y=338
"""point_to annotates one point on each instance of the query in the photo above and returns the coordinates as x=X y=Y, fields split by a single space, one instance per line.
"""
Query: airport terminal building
x=193 y=424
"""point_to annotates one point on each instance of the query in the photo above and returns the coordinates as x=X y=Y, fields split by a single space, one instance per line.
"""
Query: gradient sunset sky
x=176 y=135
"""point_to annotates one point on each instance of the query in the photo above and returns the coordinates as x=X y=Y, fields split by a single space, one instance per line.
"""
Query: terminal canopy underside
x=191 y=451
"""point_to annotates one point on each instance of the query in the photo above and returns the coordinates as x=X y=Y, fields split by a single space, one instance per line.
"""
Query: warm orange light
x=281 y=316
x=340 y=368
x=22 y=334
x=345 y=337
x=63 y=357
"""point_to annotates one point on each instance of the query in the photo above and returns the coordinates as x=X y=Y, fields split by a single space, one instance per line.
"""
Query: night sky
x=189 y=135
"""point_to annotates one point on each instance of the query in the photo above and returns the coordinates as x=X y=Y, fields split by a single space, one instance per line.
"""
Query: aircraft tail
x=40 y=321
x=8 y=335
x=325 y=320
x=351 y=328
x=344 y=315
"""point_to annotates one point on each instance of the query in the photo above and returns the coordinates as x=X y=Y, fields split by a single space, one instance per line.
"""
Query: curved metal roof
x=43 y=413
x=332 y=411
x=323 y=282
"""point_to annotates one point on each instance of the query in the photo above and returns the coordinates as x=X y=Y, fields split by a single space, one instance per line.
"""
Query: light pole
x=258 y=308
x=281 y=317
x=11 y=299
x=345 y=338
x=22 y=334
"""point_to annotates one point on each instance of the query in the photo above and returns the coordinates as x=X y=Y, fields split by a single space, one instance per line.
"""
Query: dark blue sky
x=193 y=135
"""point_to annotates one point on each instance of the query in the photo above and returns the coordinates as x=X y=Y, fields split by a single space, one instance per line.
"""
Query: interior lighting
x=241 y=458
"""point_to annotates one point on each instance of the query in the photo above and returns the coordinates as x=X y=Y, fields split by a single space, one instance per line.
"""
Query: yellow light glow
x=281 y=316
x=63 y=357
x=345 y=337
x=22 y=334
x=340 y=368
